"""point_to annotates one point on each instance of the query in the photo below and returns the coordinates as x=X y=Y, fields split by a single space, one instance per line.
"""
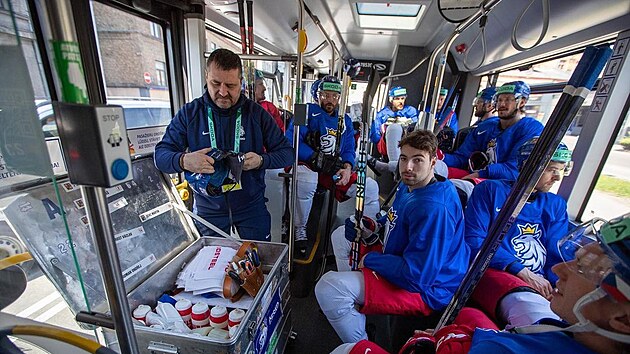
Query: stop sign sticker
x=147 y=77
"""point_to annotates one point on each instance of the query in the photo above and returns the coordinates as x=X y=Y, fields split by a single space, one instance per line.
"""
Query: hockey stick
x=574 y=93
x=451 y=110
x=368 y=96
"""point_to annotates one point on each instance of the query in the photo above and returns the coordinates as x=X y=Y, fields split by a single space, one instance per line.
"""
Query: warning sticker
x=129 y=272
x=117 y=204
x=129 y=234
x=110 y=192
x=155 y=212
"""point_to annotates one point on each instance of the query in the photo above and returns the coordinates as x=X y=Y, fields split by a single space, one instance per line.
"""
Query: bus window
x=611 y=196
x=133 y=59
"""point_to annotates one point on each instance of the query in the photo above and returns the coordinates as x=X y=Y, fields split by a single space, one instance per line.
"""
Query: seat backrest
x=461 y=135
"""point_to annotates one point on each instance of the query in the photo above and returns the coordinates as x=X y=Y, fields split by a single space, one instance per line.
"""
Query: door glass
x=133 y=59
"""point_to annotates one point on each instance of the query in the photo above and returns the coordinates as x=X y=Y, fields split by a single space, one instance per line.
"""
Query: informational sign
x=143 y=140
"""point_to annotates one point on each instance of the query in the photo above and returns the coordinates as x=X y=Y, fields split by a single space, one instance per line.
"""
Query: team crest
x=529 y=248
x=328 y=141
x=391 y=223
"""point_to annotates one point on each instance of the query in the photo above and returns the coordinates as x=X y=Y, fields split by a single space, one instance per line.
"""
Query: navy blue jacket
x=188 y=131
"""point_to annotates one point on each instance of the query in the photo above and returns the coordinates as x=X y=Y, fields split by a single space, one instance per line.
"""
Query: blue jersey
x=188 y=131
x=490 y=341
x=386 y=113
x=424 y=250
x=501 y=146
x=326 y=125
x=531 y=242
x=453 y=123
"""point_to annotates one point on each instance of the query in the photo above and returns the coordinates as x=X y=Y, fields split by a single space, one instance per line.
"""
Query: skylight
x=391 y=16
x=406 y=10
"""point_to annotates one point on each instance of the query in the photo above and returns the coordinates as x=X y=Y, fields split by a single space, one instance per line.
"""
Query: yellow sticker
x=231 y=187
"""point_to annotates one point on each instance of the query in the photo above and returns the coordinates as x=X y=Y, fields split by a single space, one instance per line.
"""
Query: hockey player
x=529 y=249
x=259 y=95
x=483 y=104
x=446 y=119
x=423 y=258
x=592 y=298
x=319 y=163
x=490 y=152
x=389 y=127
x=224 y=121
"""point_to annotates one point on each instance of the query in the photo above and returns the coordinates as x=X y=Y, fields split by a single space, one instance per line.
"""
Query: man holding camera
x=215 y=137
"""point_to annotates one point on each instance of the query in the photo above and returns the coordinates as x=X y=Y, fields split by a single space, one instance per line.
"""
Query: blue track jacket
x=424 y=248
x=386 y=113
x=326 y=125
x=490 y=341
x=531 y=242
x=188 y=131
x=500 y=145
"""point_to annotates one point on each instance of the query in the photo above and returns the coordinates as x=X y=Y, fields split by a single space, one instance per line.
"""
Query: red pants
x=384 y=298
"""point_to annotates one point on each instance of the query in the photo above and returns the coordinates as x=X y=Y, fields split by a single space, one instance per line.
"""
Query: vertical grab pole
x=301 y=47
x=573 y=95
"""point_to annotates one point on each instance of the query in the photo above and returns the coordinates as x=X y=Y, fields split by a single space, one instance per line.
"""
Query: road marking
x=51 y=312
x=39 y=305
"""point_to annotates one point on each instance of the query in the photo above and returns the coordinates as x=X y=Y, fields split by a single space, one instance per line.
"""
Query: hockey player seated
x=490 y=151
x=322 y=161
x=520 y=271
x=592 y=298
x=389 y=126
x=420 y=260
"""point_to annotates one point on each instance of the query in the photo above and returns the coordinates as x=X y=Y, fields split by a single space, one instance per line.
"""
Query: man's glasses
x=332 y=96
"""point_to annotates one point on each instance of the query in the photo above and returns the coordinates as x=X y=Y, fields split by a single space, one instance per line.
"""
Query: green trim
x=331 y=86
x=506 y=89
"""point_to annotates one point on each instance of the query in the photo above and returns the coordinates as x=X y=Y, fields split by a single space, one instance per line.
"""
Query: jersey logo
x=529 y=248
x=491 y=151
x=481 y=132
x=391 y=223
x=328 y=141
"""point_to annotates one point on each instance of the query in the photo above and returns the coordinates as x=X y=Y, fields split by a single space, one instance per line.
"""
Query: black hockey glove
x=478 y=161
x=312 y=139
x=328 y=164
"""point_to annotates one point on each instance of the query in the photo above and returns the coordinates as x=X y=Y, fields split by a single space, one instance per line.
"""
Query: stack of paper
x=205 y=273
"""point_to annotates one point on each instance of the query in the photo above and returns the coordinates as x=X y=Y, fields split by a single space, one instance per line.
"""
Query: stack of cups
x=234 y=320
x=184 y=307
x=140 y=313
x=219 y=317
x=200 y=315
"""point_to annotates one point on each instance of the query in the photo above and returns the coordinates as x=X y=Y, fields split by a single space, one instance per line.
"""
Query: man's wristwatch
x=261 y=161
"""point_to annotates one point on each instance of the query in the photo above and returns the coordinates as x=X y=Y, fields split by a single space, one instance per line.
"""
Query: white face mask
x=583 y=325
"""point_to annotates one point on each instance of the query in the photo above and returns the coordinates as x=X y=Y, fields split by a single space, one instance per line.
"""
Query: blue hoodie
x=424 y=249
x=531 y=242
x=188 y=131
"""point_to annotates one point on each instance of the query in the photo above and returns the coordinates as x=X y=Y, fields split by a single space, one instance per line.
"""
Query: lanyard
x=237 y=131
